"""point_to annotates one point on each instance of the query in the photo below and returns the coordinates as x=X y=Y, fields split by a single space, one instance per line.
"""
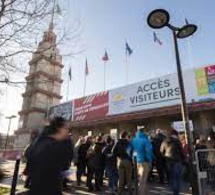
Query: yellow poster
x=201 y=81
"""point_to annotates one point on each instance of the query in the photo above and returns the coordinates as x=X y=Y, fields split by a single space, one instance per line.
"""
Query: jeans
x=112 y=177
x=98 y=178
x=125 y=175
x=175 y=176
x=143 y=170
x=81 y=168
x=161 y=168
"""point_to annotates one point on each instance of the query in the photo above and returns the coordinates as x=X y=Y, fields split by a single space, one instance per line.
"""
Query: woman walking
x=46 y=161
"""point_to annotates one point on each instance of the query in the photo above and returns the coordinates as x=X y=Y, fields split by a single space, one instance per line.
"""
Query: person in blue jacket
x=141 y=148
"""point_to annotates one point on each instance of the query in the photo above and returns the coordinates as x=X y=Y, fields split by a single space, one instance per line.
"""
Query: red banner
x=91 y=107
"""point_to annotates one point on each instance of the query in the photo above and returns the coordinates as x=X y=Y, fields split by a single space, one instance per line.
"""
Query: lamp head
x=10 y=117
x=158 y=18
x=186 y=31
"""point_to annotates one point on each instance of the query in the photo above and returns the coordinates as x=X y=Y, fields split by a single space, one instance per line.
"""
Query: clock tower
x=42 y=90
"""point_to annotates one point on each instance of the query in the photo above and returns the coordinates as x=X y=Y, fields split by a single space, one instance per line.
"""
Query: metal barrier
x=15 y=176
x=206 y=171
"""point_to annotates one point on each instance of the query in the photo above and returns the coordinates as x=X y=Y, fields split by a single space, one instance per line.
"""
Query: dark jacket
x=156 y=143
x=96 y=159
x=120 y=149
x=67 y=153
x=82 y=153
x=45 y=164
x=172 y=150
x=110 y=158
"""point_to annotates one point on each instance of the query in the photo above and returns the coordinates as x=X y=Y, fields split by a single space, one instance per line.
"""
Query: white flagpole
x=85 y=83
x=104 y=75
x=67 y=93
x=126 y=68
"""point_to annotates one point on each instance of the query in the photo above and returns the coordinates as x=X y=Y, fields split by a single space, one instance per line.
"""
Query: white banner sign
x=160 y=92
x=114 y=133
x=163 y=91
x=179 y=126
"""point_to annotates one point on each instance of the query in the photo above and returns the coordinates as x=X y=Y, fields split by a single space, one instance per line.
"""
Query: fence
x=10 y=154
x=206 y=171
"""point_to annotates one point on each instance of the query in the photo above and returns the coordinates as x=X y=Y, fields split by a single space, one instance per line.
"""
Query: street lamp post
x=8 y=131
x=158 y=19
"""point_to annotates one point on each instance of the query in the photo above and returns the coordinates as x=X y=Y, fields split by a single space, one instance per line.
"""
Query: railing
x=206 y=171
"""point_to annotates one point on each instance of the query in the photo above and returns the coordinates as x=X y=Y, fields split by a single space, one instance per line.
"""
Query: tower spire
x=51 y=25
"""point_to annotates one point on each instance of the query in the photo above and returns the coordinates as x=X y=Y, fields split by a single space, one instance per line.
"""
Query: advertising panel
x=91 y=107
x=163 y=91
x=210 y=70
x=153 y=93
x=201 y=81
x=64 y=110
x=205 y=80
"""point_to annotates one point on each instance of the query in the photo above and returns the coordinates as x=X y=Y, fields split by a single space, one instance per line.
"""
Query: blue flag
x=156 y=39
x=129 y=51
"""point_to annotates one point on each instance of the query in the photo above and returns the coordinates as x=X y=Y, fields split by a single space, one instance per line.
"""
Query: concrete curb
x=19 y=190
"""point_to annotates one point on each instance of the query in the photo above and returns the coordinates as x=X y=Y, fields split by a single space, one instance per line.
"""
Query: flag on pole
x=186 y=21
x=156 y=39
x=59 y=11
x=128 y=49
x=105 y=57
x=86 y=69
x=70 y=73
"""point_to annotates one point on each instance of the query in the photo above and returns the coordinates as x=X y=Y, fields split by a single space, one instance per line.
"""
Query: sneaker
x=108 y=191
x=98 y=189
x=90 y=189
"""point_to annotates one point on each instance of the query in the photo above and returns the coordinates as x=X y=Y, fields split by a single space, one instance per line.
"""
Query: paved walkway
x=155 y=188
x=74 y=190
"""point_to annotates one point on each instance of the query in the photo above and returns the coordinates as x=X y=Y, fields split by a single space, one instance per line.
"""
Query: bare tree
x=21 y=22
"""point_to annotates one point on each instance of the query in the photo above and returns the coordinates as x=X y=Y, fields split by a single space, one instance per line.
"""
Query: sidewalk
x=155 y=188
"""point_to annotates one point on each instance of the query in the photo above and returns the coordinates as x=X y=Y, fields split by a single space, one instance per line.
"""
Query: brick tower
x=42 y=90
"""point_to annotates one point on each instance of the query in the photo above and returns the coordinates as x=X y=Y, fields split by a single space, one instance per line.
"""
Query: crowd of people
x=127 y=162
x=117 y=158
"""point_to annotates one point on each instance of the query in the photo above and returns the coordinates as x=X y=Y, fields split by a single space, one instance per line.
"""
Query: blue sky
x=106 y=24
